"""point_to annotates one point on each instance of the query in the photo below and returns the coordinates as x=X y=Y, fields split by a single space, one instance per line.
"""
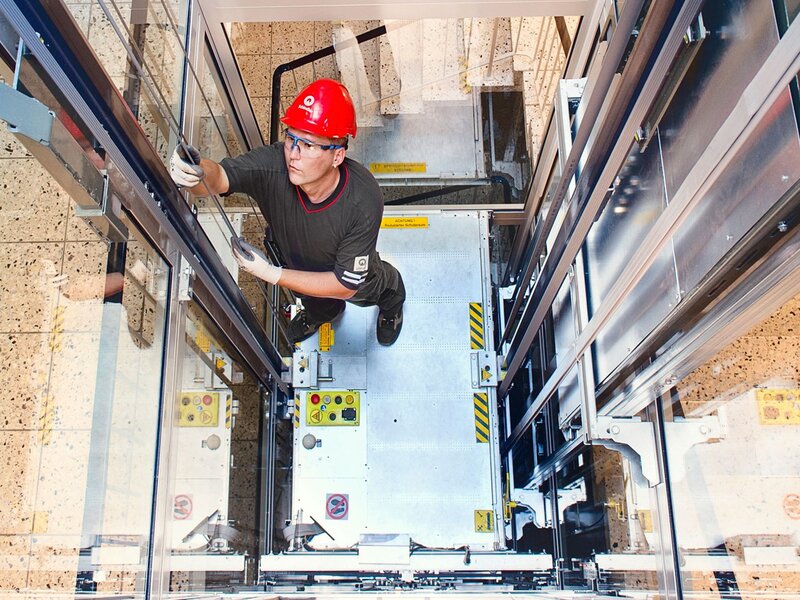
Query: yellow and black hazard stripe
x=297 y=412
x=57 y=332
x=481 y=410
x=228 y=411
x=476 y=340
x=47 y=420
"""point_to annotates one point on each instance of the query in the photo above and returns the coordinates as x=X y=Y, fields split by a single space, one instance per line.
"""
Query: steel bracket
x=185 y=278
x=49 y=141
x=534 y=509
x=633 y=438
x=683 y=434
x=25 y=115
x=484 y=369
x=305 y=369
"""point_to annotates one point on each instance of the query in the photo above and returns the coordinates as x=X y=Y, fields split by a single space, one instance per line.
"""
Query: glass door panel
x=81 y=339
x=731 y=431
x=216 y=478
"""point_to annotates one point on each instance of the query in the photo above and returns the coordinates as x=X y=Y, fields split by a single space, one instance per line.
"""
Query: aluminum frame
x=578 y=223
x=593 y=103
x=771 y=81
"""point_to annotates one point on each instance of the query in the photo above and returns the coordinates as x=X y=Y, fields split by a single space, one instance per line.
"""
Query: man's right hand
x=184 y=166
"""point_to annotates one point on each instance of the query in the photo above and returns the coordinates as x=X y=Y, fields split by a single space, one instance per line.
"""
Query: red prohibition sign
x=182 y=507
x=337 y=506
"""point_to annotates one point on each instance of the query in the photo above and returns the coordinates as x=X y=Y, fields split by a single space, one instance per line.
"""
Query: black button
x=332 y=416
x=338 y=399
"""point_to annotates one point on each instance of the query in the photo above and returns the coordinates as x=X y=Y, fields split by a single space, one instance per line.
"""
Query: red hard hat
x=323 y=108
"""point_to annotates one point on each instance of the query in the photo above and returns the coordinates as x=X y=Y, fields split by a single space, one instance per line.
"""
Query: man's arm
x=215 y=180
x=322 y=284
x=310 y=283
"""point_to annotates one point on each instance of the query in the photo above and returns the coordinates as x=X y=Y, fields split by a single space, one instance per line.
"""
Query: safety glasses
x=307 y=148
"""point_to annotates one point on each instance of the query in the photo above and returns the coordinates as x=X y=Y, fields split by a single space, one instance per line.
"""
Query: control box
x=333 y=408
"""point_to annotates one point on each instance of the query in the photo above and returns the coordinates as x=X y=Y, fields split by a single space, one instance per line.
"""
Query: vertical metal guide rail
x=659 y=43
x=63 y=57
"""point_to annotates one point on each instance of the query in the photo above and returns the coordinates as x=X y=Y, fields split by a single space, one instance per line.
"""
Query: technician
x=323 y=211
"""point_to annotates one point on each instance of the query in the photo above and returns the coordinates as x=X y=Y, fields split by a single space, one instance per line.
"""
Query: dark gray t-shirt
x=336 y=235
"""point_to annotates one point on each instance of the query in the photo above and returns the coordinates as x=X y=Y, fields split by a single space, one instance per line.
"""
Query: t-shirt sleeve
x=250 y=172
x=356 y=251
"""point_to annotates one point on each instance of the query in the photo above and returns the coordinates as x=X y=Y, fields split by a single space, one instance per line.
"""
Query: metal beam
x=593 y=103
x=769 y=83
x=336 y=10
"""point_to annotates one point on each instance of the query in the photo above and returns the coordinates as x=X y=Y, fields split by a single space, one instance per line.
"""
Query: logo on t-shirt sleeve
x=361 y=264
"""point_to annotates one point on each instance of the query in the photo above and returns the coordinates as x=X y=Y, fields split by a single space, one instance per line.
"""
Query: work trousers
x=383 y=288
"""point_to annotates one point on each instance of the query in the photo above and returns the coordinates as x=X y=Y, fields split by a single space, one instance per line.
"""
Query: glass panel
x=563 y=319
x=217 y=138
x=421 y=82
x=606 y=513
x=731 y=433
x=634 y=206
x=523 y=459
x=213 y=531
x=792 y=9
x=569 y=407
x=713 y=84
x=759 y=174
x=140 y=46
x=81 y=340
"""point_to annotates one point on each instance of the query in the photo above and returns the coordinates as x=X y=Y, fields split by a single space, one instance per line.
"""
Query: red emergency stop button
x=314 y=398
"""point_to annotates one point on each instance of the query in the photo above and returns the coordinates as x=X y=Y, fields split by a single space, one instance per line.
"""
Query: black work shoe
x=389 y=327
x=300 y=328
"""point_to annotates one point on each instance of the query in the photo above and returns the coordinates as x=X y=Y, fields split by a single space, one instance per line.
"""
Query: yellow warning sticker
x=398 y=167
x=40 y=521
x=645 y=518
x=481 y=411
x=404 y=223
x=779 y=406
x=476 y=340
x=203 y=341
x=326 y=337
x=484 y=521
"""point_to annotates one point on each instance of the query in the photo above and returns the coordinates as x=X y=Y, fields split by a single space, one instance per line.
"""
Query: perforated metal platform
x=423 y=459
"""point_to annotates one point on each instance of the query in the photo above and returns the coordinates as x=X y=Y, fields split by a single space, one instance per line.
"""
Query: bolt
x=614 y=429
x=783 y=227
x=704 y=429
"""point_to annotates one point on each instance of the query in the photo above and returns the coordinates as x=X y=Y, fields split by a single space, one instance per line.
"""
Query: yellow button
x=349 y=398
